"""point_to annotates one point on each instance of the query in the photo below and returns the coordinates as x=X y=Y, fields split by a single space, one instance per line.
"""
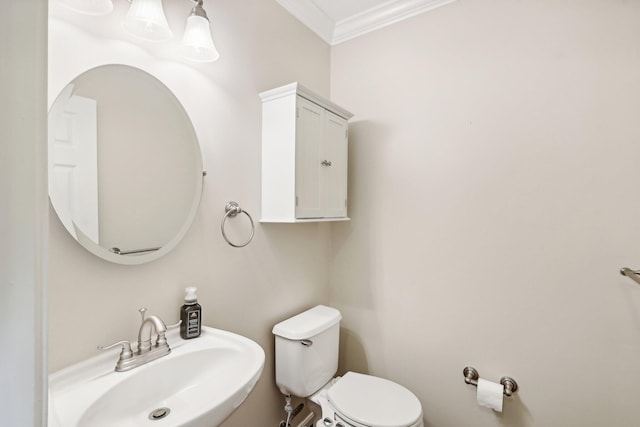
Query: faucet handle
x=175 y=325
x=125 y=353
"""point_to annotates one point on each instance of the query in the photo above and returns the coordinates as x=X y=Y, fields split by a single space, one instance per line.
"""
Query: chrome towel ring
x=232 y=209
x=631 y=274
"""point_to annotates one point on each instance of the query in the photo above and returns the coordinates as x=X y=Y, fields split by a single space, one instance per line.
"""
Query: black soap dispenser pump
x=191 y=315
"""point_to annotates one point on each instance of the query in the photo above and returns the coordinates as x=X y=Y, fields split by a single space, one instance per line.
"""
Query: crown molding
x=390 y=12
x=381 y=16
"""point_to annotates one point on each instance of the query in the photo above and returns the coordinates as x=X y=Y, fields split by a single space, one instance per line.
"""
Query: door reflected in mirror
x=125 y=168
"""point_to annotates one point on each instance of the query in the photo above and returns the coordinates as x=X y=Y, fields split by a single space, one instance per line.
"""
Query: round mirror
x=125 y=169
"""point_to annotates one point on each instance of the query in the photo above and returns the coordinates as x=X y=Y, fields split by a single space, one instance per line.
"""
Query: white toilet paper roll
x=490 y=395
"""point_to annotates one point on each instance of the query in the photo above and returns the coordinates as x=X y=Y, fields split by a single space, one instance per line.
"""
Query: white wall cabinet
x=304 y=156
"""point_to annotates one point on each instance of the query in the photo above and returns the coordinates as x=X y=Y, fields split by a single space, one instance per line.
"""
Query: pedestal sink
x=199 y=384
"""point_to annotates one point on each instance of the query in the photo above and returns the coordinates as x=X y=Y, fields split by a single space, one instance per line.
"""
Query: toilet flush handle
x=306 y=343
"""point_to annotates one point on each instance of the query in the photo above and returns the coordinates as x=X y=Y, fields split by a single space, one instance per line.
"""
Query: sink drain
x=158 y=414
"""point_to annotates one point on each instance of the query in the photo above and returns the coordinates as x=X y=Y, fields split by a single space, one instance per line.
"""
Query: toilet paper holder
x=471 y=376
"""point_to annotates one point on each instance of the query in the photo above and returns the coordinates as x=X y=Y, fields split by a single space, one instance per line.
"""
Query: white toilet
x=307 y=359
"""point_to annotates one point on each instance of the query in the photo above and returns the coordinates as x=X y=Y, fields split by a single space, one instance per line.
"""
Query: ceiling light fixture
x=197 y=43
x=146 y=20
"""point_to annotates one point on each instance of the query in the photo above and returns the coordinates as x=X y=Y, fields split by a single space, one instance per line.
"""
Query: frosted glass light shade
x=197 y=43
x=89 y=7
x=146 y=20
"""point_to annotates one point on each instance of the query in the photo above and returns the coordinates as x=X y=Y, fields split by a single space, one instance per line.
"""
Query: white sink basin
x=201 y=382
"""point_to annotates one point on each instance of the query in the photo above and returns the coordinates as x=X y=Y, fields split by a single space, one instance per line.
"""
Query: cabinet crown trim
x=296 y=88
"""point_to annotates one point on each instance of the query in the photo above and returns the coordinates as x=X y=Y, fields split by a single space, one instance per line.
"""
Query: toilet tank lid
x=308 y=323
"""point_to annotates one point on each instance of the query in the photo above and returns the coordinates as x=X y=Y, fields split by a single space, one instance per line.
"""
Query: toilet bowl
x=358 y=400
x=307 y=360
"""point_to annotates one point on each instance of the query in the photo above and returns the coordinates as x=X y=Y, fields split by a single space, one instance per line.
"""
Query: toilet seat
x=365 y=400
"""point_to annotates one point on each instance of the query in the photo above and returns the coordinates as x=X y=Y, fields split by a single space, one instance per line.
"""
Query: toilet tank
x=307 y=350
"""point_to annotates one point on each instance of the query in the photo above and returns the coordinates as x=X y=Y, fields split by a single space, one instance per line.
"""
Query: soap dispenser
x=191 y=315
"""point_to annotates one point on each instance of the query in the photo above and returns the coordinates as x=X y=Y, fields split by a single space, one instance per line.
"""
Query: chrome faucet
x=145 y=352
x=151 y=322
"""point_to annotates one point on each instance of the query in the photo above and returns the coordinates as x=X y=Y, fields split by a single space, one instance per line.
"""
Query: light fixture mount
x=198 y=10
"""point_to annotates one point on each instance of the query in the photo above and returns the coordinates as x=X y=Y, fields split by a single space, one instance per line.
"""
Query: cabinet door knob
x=326 y=163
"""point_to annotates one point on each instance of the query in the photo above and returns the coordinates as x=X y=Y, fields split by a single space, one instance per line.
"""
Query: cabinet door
x=310 y=124
x=333 y=170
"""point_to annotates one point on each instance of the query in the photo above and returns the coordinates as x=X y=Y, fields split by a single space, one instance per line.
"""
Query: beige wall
x=23 y=221
x=248 y=290
x=493 y=183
